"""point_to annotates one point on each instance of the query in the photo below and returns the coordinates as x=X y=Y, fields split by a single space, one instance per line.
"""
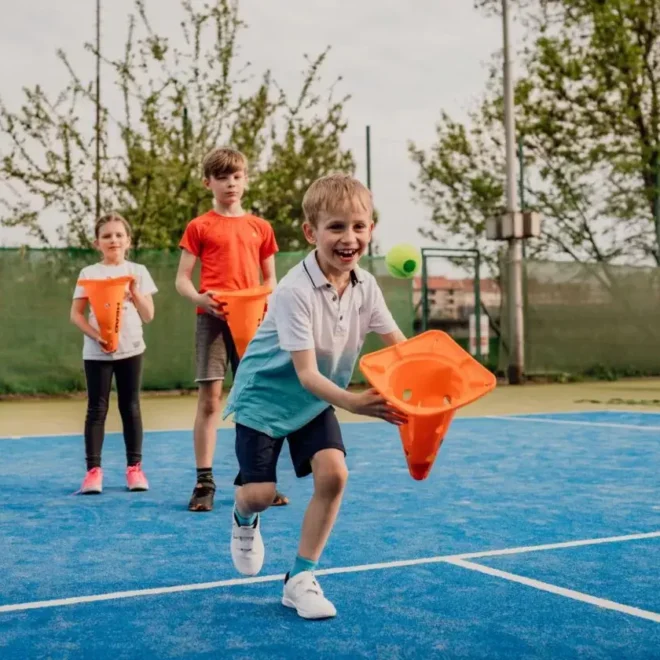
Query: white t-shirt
x=131 y=341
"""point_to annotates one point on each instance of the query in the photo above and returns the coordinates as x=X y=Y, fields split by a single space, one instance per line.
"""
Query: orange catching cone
x=106 y=298
x=428 y=377
x=244 y=310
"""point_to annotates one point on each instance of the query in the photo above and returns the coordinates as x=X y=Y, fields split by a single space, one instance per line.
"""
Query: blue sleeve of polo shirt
x=292 y=311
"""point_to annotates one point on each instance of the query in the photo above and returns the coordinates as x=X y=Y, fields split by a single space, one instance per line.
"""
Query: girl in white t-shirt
x=113 y=238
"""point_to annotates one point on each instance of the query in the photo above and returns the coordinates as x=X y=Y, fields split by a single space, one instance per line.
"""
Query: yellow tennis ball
x=403 y=260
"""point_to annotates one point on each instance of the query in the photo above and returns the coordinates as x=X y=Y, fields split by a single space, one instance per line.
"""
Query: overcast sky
x=402 y=63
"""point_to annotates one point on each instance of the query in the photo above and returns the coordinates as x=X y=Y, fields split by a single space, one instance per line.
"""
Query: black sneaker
x=280 y=499
x=202 y=497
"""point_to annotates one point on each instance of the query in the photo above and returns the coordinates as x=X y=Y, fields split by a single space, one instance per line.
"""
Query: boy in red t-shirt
x=233 y=247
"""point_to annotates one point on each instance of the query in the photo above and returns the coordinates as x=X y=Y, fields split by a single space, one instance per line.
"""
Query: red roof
x=466 y=284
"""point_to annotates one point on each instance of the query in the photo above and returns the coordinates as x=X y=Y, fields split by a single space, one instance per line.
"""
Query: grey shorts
x=214 y=349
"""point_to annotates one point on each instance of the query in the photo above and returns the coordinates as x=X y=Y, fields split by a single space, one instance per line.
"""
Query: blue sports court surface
x=534 y=537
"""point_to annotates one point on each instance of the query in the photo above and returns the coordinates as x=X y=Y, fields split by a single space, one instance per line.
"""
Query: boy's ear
x=310 y=232
x=206 y=183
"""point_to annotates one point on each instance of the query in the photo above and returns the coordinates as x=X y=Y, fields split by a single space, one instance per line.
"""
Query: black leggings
x=128 y=376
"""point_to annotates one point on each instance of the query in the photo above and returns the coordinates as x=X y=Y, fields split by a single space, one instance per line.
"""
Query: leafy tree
x=588 y=111
x=182 y=95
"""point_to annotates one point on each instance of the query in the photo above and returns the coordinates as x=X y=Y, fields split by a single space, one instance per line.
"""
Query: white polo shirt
x=304 y=312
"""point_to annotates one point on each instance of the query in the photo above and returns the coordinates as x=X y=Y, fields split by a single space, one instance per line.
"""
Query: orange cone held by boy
x=106 y=298
x=428 y=377
x=244 y=311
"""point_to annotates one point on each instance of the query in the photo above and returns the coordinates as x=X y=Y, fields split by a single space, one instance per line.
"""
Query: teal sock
x=301 y=564
x=242 y=521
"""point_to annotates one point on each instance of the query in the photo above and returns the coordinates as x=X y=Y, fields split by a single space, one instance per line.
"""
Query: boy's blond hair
x=223 y=160
x=335 y=192
x=111 y=217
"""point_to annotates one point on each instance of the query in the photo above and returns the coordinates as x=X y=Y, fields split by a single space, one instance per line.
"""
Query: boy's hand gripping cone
x=244 y=310
x=428 y=377
x=106 y=298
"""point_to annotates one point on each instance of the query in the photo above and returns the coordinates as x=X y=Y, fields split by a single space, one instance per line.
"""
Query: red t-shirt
x=230 y=250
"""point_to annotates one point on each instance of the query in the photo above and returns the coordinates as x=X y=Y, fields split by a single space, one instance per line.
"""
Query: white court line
x=215 y=585
x=78 y=434
x=627 y=411
x=523 y=417
x=557 y=546
x=542 y=420
x=452 y=559
x=553 y=589
x=117 y=595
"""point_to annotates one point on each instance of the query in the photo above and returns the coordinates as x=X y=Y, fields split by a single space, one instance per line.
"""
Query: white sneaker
x=303 y=593
x=247 y=547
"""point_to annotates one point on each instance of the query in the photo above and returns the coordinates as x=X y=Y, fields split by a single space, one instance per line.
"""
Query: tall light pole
x=97 y=172
x=368 y=145
x=516 y=320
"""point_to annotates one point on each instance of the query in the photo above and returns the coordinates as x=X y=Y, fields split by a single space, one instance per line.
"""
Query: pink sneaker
x=93 y=482
x=135 y=478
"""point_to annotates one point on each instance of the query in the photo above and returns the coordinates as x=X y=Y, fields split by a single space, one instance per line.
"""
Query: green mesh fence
x=588 y=319
x=40 y=350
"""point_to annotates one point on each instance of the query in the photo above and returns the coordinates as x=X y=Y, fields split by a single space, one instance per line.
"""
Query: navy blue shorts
x=257 y=452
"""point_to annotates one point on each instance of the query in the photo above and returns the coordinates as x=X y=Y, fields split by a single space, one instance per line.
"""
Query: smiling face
x=113 y=240
x=338 y=221
x=341 y=239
